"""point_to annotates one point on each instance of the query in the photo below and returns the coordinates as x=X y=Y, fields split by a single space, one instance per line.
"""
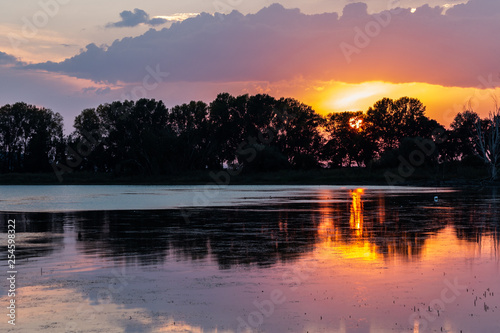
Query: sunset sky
x=334 y=55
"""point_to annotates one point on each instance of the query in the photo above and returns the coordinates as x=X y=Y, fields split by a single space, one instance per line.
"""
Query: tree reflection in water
x=361 y=224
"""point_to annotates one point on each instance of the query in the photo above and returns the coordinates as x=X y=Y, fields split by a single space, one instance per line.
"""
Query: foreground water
x=252 y=258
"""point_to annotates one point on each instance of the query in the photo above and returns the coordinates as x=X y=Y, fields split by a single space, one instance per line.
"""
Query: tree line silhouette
x=252 y=133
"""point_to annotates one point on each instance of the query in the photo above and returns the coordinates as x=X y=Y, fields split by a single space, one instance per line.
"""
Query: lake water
x=252 y=259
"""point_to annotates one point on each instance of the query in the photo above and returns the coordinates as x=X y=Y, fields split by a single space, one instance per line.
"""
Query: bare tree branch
x=487 y=139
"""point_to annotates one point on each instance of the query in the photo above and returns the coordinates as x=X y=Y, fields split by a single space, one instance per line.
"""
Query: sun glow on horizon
x=349 y=98
x=356 y=123
x=442 y=103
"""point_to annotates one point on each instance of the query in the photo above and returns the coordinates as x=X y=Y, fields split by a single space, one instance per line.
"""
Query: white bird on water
x=436 y=198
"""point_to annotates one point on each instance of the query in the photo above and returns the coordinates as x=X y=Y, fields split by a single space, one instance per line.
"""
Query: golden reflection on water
x=176 y=327
x=356 y=218
x=331 y=238
x=367 y=238
x=416 y=326
x=380 y=246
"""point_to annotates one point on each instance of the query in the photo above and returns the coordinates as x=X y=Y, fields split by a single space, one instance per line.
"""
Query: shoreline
x=344 y=176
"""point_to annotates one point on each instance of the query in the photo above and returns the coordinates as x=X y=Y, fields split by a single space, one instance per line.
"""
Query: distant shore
x=466 y=177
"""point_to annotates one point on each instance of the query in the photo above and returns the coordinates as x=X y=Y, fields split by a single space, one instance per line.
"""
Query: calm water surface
x=253 y=259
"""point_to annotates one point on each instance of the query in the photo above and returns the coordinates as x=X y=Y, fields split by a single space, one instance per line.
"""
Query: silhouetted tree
x=350 y=142
x=256 y=133
x=30 y=138
x=242 y=126
x=389 y=121
x=460 y=144
x=89 y=133
x=266 y=159
x=133 y=137
x=296 y=126
x=225 y=119
x=192 y=147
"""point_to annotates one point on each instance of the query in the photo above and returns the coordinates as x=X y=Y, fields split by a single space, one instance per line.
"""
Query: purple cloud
x=132 y=19
x=282 y=44
x=7 y=59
